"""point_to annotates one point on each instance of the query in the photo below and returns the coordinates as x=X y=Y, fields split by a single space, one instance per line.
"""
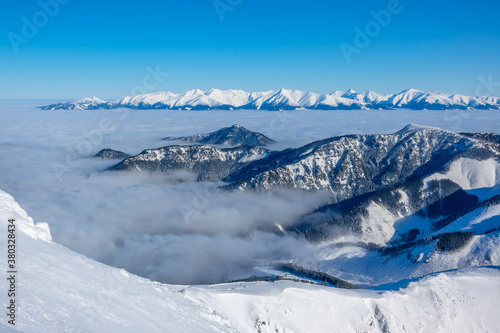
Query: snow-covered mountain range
x=403 y=197
x=285 y=99
x=348 y=165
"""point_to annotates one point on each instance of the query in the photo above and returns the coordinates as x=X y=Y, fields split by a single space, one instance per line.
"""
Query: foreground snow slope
x=462 y=301
x=61 y=291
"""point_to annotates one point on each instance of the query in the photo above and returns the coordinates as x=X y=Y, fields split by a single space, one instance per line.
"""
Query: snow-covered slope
x=472 y=174
x=361 y=266
x=61 y=291
x=285 y=99
x=446 y=302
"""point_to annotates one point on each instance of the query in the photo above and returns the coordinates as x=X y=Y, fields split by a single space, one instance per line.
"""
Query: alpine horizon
x=284 y=99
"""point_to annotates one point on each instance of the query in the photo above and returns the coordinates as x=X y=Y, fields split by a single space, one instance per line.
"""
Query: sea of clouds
x=165 y=226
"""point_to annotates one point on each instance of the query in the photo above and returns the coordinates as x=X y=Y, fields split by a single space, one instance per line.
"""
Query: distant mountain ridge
x=284 y=99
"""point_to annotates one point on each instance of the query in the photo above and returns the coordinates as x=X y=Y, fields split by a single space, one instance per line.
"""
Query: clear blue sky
x=102 y=48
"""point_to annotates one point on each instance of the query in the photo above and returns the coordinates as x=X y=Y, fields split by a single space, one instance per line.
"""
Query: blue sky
x=103 y=48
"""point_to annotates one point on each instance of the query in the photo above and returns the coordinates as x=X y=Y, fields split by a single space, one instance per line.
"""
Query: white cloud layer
x=166 y=227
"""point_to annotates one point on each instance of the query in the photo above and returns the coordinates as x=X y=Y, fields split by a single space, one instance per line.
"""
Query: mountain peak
x=411 y=91
x=90 y=100
x=235 y=135
x=194 y=92
x=416 y=128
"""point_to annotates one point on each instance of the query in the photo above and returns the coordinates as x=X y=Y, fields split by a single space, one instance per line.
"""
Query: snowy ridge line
x=284 y=99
